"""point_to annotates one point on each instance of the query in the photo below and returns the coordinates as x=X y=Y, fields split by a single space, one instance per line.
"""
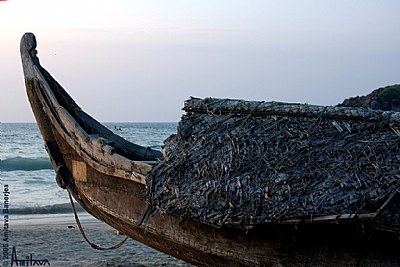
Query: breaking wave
x=50 y=209
x=25 y=164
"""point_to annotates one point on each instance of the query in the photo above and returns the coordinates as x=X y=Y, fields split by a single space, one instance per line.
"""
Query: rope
x=84 y=235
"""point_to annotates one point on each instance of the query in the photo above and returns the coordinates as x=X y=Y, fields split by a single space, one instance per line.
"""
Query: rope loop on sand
x=83 y=232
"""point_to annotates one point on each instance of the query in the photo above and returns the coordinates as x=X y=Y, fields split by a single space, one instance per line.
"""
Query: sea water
x=42 y=209
x=25 y=166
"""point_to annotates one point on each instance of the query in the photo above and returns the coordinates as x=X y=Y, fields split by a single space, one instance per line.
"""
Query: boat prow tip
x=28 y=41
x=29 y=54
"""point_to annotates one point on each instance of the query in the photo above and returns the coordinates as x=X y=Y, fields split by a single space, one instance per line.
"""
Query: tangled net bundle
x=235 y=163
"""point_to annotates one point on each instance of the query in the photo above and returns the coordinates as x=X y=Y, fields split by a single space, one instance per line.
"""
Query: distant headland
x=385 y=98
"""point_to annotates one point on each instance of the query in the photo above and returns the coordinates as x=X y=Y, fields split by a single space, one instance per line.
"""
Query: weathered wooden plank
x=327 y=219
x=101 y=163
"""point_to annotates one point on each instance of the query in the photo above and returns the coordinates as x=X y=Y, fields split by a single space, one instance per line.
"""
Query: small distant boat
x=242 y=183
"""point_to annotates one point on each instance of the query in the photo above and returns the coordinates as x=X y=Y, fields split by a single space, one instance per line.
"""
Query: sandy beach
x=56 y=238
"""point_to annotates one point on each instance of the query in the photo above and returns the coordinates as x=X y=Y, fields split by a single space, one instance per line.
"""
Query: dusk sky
x=130 y=61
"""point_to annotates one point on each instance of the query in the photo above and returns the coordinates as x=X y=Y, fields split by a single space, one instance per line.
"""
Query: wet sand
x=56 y=238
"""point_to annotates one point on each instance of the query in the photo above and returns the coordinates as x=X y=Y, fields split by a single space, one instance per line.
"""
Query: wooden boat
x=108 y=176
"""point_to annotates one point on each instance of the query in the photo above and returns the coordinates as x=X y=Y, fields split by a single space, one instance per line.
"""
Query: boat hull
x=121 y=203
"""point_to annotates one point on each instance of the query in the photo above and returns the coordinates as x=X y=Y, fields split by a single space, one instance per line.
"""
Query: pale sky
x=129 y=61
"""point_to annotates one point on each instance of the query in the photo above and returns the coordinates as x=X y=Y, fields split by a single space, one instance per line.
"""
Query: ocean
x=36 y=213
x=25 y=166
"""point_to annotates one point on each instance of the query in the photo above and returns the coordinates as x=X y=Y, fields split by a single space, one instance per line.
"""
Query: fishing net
x=236 y=163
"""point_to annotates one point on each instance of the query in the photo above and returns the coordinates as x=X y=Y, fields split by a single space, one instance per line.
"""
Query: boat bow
x=116 y=181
